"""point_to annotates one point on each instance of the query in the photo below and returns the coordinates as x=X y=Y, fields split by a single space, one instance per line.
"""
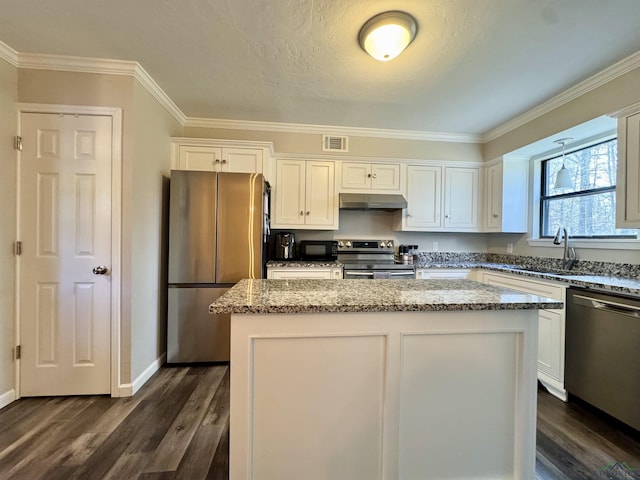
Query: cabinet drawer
x=527 y=286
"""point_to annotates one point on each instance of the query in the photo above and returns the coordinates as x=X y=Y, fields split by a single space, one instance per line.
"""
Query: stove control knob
x=381 y=244
x=389 y=244
x=340 y=244
x=347 y=244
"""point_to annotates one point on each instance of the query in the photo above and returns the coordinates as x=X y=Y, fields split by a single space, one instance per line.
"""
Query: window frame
x=545 y=197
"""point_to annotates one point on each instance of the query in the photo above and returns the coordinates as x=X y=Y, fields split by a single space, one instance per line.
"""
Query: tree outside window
x=588 y=209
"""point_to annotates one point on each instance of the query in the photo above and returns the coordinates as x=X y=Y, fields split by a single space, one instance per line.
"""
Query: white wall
x=152 y=127
x=8 y=129
x=378 y=224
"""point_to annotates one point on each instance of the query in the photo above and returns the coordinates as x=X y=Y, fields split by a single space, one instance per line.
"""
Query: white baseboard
x=7 y=397
x=147 y=374
x=554 y=387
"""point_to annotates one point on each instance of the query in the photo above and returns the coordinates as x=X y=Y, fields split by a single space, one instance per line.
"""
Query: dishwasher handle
x=606 y=305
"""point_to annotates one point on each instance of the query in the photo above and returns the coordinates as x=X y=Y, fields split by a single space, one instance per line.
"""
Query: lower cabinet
x=310 y=273
x=551 y=327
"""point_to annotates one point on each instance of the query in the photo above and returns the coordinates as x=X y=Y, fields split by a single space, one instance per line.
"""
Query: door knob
x=100 y=270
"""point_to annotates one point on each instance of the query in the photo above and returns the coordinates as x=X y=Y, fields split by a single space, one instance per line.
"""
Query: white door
x=242 y=160
x=461 y=198
x=385 y=177
x=320 y=194
x=423 y=197
x=356 y=175
x=195 y=157
x=65 y=230
x=289 y=193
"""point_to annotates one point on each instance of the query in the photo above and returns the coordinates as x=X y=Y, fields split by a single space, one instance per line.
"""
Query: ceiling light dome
x=386 y=35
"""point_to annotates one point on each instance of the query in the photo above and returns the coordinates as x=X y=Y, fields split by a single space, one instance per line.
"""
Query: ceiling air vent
x=331 y=143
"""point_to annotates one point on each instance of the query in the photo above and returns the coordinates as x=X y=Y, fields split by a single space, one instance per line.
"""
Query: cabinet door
x=242 y=160
x=385 y=177
x=289 y=192
x=550 y=329
x=628 y=191
x=299 y=273
x=494 y=197
x=200 y=158
x=461 y=198
x=424 y=190
x=356 y=175
x=320 y=195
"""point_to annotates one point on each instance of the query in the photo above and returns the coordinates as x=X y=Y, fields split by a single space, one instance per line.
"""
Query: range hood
x=372 y=201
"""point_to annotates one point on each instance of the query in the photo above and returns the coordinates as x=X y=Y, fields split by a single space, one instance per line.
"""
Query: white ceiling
x=474 y=65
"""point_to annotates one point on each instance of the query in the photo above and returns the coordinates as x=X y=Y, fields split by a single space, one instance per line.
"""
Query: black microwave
x=318 y=250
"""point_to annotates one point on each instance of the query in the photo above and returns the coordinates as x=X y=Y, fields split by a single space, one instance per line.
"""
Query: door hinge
x=18 y=248
x=19 y=143
x=18 y=352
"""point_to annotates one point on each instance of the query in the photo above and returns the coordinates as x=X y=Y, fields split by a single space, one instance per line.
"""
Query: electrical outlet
x=435 y=246
x=509 y=247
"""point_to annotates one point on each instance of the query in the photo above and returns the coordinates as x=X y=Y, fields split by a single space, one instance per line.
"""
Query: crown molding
x=608 y=74
x=331 y=130
x=102 y=66
x=9 y=54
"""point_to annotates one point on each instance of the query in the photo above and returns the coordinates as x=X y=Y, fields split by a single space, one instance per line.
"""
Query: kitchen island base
x=383 y=395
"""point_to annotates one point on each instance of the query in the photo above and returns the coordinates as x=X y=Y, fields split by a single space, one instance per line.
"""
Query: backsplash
x=581 y=267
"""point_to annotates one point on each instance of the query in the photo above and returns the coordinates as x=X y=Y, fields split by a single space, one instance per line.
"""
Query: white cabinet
x=317 y=273
x=218 y=155
x=461 y=198
x=304 y=194
x=628 y=176
x=440 y=199
x=507 y=179
x=424 y=198
x=374 y=177
x=444 y=273
x=551 y=327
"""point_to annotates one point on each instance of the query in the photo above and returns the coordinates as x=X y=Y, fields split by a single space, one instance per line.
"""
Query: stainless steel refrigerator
x=216 y=238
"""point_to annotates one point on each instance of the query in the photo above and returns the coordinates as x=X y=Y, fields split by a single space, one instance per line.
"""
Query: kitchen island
x=381 y=379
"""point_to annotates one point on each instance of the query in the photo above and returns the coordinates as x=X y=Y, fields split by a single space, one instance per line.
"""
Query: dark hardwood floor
x=177 y=427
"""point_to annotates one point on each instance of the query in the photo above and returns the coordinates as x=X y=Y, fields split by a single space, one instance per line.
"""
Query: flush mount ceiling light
x=563 y=179
x=386 y=35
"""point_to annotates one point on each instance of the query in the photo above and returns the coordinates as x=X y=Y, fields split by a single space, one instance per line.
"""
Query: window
x=588 y=209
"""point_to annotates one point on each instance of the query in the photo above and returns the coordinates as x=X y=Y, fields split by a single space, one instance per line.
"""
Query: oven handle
x=358 y=274
x=401 y=274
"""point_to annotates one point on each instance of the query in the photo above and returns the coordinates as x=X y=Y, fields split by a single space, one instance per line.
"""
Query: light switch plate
x=509 y=247
x=435 y=246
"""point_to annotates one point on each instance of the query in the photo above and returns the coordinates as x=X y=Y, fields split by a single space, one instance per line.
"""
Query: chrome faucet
x=569 y=255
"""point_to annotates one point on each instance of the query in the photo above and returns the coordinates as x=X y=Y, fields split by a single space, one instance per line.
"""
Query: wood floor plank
x=197 y=459
x=170 y=451
x=219 y=469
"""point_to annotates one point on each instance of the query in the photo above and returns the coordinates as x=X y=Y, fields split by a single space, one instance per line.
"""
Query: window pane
x=593 y=167
x=585 y=216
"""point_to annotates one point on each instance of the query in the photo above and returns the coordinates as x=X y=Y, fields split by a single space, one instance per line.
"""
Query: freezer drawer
x=193 y=335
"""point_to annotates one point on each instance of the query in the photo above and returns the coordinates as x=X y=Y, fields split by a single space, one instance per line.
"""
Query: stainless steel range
x=371 y=259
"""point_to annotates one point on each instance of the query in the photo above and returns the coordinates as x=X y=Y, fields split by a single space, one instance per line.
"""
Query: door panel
x=424 y=193
x=65 y=229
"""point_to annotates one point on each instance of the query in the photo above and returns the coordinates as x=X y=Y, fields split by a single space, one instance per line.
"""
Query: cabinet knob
x=368 y=175
x=301 y=212
x=217 y=160
x=446 y=216
x=224 y=161
x=408 y=214
x=308 y=213
x=375 y=175
x=495 y=215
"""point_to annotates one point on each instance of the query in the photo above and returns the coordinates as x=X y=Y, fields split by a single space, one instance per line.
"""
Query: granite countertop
x=303 y=264
x=611 y=283
x=313 y=296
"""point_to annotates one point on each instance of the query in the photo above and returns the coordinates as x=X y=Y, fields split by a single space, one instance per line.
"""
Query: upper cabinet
x=370 y=177
x=441 y=198
x=461 y=198
x=506 y=179
x=219 y=155
x=628 y=177
x=304 y=194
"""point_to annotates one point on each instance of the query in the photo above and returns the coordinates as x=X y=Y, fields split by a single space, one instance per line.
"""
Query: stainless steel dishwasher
x=602 y=364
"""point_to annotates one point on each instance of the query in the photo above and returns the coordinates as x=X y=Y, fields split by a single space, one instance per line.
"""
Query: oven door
x=379 y=274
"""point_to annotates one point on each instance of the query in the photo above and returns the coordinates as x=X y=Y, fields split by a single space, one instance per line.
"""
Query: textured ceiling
x=474 y=65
